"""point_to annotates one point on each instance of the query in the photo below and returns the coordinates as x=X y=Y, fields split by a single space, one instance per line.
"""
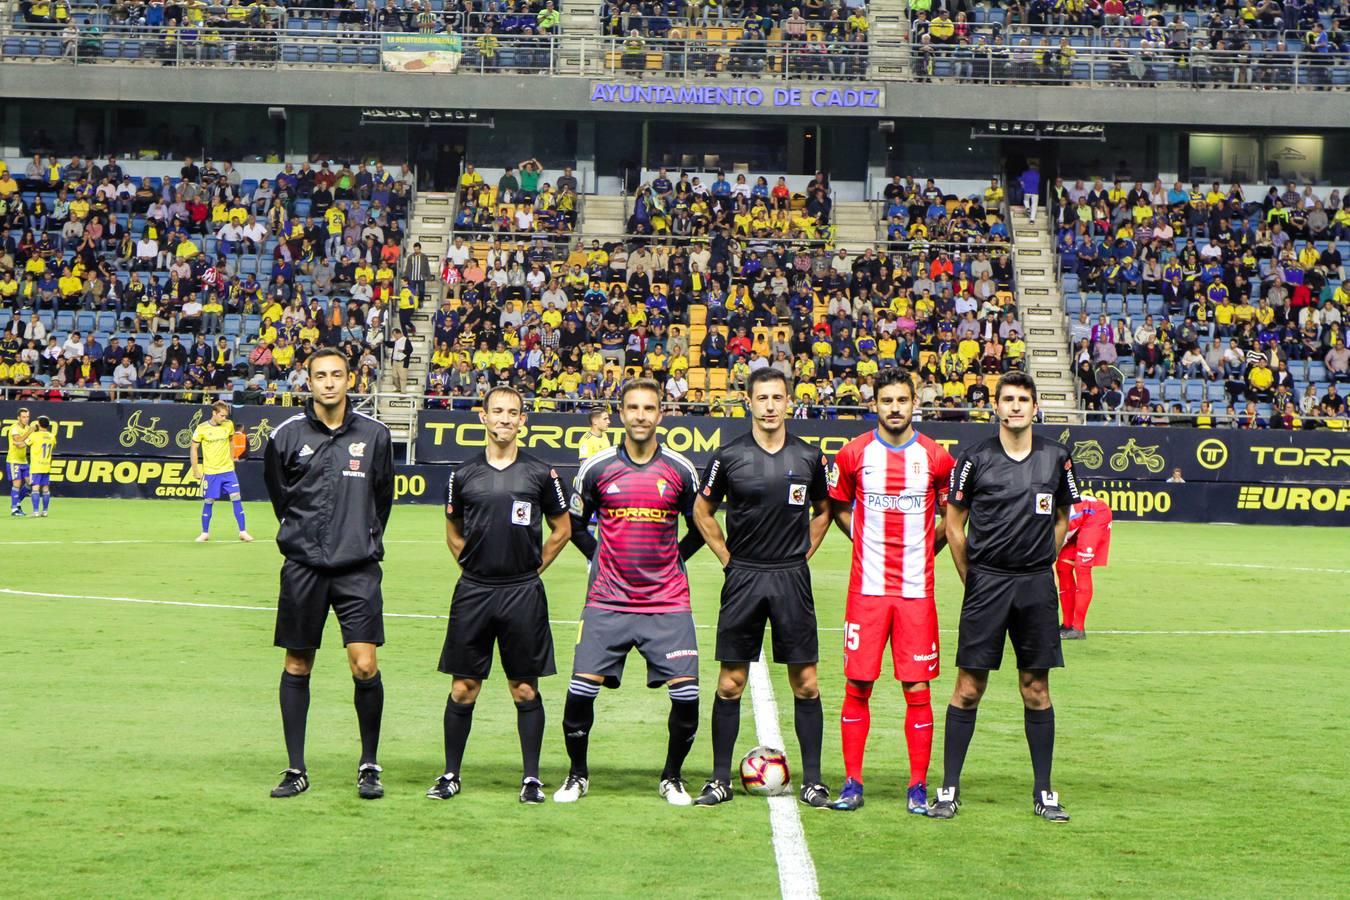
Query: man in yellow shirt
x=597 y=439
x=16 y=462
x=212 y=458
x=41 y=446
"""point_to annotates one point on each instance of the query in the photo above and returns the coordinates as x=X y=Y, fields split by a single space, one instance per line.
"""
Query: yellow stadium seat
x=696 y=335
x=717 y=379
x=698 y=314
x=695 y=356
x=698 y=378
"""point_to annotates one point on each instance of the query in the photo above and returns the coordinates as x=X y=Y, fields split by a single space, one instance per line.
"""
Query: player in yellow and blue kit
x=597 y=439
x=41 y=449
x=214 y=440
x=16 y=462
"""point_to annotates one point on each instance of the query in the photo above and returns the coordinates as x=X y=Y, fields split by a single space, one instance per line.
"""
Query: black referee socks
x=1040 y=726
x=960 y=728
x=530 y=725
x=809 y=721
x=369 y=700
x=726 y=725
x=294 y=712
x=458 y=721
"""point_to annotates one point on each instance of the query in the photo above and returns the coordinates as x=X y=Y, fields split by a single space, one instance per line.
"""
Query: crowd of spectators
x=1227 y=45
x=699 y=311
x=109 y=279
x=815 y=40
x=1206 y=286
x=521 y=203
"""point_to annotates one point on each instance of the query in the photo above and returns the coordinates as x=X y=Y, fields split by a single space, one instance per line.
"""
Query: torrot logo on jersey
x=641 y=513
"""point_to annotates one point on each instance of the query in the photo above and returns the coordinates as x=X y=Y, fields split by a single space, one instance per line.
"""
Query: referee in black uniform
x=778 y=513
x=1015 y=490
x=494 y=506
x=330 y=476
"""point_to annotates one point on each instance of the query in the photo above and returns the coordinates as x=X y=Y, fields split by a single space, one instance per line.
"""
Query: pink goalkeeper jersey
x=896 y=493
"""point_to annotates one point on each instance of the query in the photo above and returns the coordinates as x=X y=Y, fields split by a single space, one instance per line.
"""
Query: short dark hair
x=505 y=389
x=890 y=376
x=44 y=423
x=325 y=353
x=1016 y=379
x=639 y=384
x=597 y=411
x=763 y=374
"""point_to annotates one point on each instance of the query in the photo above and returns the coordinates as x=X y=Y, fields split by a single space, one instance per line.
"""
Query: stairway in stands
x=580 y=17
x=429 y=223
x=890 y=23
x=602 y=216
x=855 y=225
x=1041 y=310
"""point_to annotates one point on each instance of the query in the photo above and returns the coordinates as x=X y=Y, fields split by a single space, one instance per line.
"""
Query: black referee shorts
x=777 y=593
x=514 y=614
x=307 y=594
x=999 y=605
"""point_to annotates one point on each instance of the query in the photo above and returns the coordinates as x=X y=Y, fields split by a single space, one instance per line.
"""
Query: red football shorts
x=1089 y=547
x=911 y=625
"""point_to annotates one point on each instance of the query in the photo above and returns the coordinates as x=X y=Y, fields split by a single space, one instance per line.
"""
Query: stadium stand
x=120 y=285
x=1206 y=302
x=1252 y=45
x=712 y=281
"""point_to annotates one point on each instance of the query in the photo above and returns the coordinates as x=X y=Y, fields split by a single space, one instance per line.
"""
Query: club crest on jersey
x=520 y=512
x=797 y=494
x=354 y=465
x=358 y=449
x=661 y=485
x=1045 y=504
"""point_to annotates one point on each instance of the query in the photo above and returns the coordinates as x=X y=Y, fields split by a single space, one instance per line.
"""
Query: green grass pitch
x=141 y=739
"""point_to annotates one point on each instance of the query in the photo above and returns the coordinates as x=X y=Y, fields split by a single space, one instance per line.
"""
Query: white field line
x=48 y=595
x=796 y=870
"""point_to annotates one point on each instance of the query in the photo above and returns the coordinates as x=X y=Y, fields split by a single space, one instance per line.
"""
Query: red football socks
x=854 y=723
x=1082 y=597
x=919 y=733
x=1067 y=589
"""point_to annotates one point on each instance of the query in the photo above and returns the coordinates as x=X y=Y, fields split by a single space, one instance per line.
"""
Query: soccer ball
x=765 y=773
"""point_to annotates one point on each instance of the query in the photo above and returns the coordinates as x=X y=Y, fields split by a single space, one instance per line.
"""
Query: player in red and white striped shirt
x=889 y=485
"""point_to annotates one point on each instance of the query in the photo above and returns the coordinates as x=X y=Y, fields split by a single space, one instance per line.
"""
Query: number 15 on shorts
x=851 y=637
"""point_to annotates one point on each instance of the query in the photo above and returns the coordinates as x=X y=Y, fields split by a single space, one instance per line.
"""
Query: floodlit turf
x=141 y=740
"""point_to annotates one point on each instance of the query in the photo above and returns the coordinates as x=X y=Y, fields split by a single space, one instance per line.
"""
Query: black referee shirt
x=501 y=513
x=1012 y=504
x=770 y=494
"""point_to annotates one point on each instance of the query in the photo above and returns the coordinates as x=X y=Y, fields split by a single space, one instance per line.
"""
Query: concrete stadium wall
x=332 y=87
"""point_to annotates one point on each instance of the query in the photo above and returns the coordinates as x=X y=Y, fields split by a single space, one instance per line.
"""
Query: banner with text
x=1131 y=501
x=162 y=479
x=431 y=53
x=1150 y=454
x=164 y=430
